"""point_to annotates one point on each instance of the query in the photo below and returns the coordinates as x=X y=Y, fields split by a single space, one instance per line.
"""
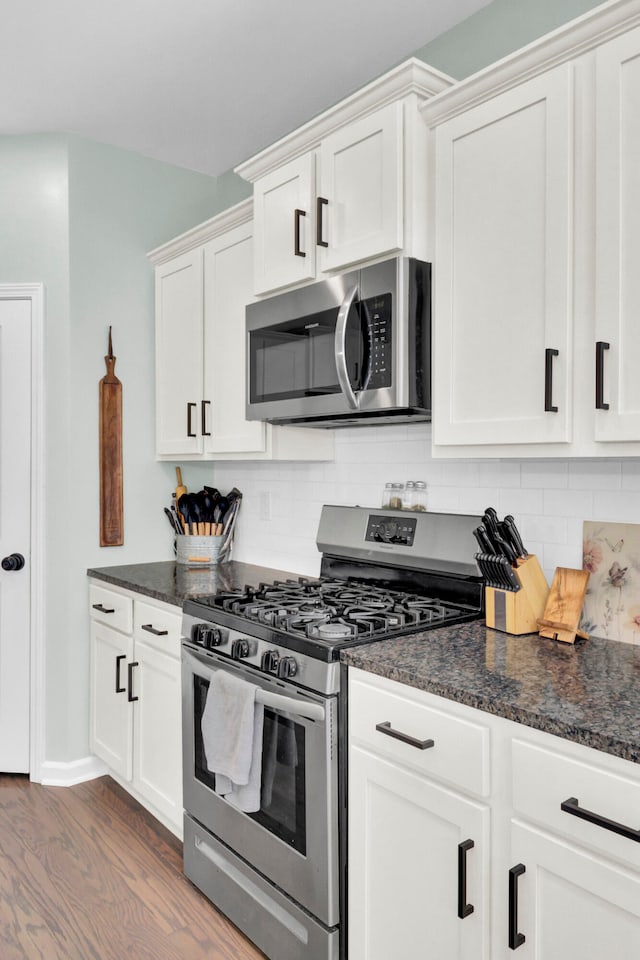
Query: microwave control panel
x=378 y=313
x=391 y=530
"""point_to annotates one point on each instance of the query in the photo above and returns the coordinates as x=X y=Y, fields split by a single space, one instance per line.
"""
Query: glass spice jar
x=397 y=495
x=387 y=493
x=420 y=496
x=409 y=495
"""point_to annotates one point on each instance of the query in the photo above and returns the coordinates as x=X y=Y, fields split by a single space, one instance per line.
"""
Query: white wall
x=549 y=499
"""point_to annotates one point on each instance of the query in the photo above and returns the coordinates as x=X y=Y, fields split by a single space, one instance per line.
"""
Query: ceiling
x=203 y=84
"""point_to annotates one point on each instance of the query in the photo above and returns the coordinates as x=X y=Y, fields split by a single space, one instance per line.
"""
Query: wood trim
x=411 y=77
x=568 y=42
x=35 y=293
x=235 y=216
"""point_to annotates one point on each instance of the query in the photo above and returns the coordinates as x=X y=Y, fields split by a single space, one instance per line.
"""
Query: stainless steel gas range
x=279 y=873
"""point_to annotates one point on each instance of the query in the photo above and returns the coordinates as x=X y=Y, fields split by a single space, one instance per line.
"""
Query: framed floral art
x=611 y=554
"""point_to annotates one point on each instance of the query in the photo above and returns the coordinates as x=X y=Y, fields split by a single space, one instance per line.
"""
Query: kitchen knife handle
x=190 y=407
x=203 y=417
x=601 y=346
x=515 y=939
x=320 y=203
x=297 y=215
x=572 y=806
x=130 y=696
x=464 y=908
x=119 y=660
x=549 y=354
x=387 y=729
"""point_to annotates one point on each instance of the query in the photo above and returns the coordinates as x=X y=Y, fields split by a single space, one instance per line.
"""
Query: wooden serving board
x=564 y=606
x=111 y=500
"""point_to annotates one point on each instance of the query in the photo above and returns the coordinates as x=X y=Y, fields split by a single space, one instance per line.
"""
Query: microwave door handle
x=340 y=347
x=298 y=708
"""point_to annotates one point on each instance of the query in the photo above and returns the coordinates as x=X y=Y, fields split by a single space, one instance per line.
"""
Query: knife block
x=517 y=612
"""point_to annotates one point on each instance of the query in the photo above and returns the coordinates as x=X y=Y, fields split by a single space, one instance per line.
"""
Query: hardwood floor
x=87 y=874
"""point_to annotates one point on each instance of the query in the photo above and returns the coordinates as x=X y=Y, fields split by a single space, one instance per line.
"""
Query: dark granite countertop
x=175 y=582
x=588 y=692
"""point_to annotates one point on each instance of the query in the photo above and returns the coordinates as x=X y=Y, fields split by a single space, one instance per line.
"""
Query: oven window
x=283 y=795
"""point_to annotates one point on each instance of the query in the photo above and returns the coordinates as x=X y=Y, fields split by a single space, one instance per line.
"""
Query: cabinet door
x=284 y=208
x=361 y=180
x=404 y=833
x=227 y=278
x=571 y=904
x=179 y=331
x=157 y=769
x=618 y=234
x=110 y=732
x=502 y=272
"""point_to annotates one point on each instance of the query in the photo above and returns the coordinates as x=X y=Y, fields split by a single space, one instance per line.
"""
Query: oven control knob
x=213 y=637
x=197 y=633
x=287 y=667
x=269 y=661
x=240 y=649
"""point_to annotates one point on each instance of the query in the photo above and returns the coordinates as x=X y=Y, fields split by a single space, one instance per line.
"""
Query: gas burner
x=332 y=630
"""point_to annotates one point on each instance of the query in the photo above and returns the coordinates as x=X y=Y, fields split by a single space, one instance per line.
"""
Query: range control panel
x=379 y=322
x=381 y=529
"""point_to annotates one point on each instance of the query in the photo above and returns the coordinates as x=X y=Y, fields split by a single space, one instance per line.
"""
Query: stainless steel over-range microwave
x=351 y=348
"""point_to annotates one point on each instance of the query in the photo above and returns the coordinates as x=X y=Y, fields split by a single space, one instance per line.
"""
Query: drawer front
x=544 y=779
x=111 y=608
x=158 y=625
x=410 y=719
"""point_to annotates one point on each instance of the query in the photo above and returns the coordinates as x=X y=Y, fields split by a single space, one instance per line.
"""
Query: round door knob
x=15 y=561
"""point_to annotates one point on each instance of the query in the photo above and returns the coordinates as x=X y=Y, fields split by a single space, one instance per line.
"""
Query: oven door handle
x=299 y=708
x=340 y=348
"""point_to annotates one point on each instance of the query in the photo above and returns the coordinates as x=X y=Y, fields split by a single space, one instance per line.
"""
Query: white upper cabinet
x=203 y=283
x=359 y=207
x=179 y=326
x=283 y=206
x=536 y=186
x=502 y=276
x=346 y=188
x=618 y=238
x=227 y=266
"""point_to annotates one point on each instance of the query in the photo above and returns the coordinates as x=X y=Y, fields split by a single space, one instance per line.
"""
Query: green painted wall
x=496 y=31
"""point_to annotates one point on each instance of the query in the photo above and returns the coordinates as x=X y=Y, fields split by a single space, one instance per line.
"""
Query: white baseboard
x=77 y=771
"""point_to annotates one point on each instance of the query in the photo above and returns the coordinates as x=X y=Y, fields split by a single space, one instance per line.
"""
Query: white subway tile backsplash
x=624 y=507
x=544 y=529
x=568 y=503
x=595 y=475
x=519 y=502
x=499 y=473
x=631 y=475
x=549 y=499
x=545 y=474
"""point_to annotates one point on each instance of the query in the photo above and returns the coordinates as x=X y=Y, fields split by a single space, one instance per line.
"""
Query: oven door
x=293 y=839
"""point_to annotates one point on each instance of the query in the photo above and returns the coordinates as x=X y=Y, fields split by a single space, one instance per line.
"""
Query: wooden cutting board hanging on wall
x=111 y=512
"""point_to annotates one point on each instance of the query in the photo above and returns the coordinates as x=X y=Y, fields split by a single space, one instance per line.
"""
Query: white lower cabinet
x=571 y=903
x=411 y=843
x=135 y=721
x=543 y=880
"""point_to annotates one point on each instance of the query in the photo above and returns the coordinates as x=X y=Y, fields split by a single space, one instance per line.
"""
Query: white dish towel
x=231 y=725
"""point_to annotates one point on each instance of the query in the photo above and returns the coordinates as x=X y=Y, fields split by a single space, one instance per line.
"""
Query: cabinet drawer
x=158 y=626
x=460 y=751
x=544 y=779
x=110 y=607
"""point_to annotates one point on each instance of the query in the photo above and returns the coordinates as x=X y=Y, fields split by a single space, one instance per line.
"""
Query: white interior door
x=15 y=531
